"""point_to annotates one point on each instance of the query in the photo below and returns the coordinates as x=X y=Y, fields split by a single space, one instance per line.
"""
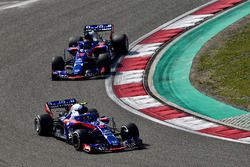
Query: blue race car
x=88 y=131
x=89 y=55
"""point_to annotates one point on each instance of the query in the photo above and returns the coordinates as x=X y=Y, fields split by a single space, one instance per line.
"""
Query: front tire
x=129 y=131
x=80 y=137
x=57 y=63
x=120 y=43
x=73 y=41
x=43 y=124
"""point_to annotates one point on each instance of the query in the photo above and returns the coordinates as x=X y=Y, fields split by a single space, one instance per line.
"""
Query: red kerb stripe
x=227 y=132
x=162 y=36
x=137 y=63
x=163 y=113
x=217 y=7
x=129 y=90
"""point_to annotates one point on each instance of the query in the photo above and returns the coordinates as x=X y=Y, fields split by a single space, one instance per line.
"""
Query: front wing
x=62 y=75
x=126 y=145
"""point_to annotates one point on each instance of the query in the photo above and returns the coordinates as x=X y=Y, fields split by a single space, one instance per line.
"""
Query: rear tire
x=57 y=63
x=80 y=137
x=129 y=131
x=120 y=43
x=43 y=124
x=73 y=41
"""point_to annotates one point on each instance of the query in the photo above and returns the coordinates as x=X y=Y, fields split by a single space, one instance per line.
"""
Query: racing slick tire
x=80 y=137
x=103 y=60
x=73 y=41
x=120 y=43
x=43 y=124
x=57 y=63
x=129 y=131
x=94 y=112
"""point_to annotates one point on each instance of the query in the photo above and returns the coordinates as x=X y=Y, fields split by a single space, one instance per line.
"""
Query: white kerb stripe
x=141 y=102
x=202 y=15
x=187 y=21
x=143 y=50
x=192 y=123
x=134 y=76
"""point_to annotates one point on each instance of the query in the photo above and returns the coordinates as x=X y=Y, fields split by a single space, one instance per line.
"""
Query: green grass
x=227 y=66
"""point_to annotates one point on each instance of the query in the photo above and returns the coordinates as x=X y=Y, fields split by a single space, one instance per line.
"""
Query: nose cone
x=78 y=69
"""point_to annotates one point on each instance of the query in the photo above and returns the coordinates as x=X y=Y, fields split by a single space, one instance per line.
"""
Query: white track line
x=8 y=3
x=16 y=4
x=247 y=139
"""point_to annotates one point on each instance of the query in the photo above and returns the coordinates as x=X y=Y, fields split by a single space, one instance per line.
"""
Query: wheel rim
x=76 y=142
x=125 y=129
x=37 y=125
x=125 y=133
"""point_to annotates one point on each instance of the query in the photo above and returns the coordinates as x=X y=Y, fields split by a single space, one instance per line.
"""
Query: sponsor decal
x=86 y=147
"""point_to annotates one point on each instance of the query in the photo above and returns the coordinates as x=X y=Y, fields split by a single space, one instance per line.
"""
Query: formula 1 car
x=88 y=131
x=76 y=63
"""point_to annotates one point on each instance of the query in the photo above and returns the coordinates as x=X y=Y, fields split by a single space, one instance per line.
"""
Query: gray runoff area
x=32 y=35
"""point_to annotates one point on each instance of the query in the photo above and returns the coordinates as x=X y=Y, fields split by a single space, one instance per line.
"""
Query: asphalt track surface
x=30 y=36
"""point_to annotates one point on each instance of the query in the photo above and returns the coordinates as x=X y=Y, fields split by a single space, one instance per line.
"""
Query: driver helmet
x=80 y=108
x=91 y=35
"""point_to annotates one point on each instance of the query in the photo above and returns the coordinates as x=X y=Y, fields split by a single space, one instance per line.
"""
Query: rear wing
x=58 y=104
x=61 y=103
x=99 y=28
